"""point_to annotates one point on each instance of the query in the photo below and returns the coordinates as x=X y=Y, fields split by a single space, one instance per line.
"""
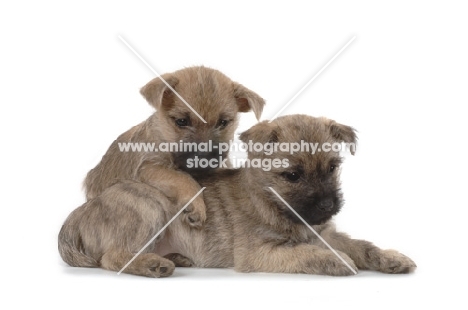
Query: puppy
x=248 y=227
x=210 y=93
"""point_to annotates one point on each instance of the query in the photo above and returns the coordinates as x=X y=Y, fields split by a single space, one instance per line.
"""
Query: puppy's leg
x=368 y=256
x=118 y=223
x=146 y=264
x=178 y=186
x=298 y=258
x=179 y=260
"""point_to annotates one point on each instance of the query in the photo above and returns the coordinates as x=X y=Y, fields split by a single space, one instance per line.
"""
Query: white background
x=69 y=87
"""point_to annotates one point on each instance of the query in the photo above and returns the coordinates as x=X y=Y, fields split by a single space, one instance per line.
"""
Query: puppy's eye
x=222 y=123
x=182 y=122
x=292 y=176
x=332 y=168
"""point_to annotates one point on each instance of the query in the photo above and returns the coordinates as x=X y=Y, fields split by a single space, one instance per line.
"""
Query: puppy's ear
x=262 y=132
x=342 y=133
x=248 y=100
x=157 y=93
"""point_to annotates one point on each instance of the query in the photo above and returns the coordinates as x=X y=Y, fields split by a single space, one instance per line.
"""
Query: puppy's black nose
x=326 y=205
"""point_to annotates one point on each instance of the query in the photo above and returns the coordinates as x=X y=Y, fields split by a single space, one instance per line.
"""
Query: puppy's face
x=215 y=97
x=307 y=180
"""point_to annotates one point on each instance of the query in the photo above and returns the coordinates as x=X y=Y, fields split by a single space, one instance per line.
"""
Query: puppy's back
x=116 y=165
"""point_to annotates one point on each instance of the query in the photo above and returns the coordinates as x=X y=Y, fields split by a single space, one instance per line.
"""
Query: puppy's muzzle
x=198 y=161
x=326 y=205
x=182 y=157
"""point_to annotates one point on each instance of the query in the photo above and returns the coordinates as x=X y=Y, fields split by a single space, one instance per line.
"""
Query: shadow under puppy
x=247 y=227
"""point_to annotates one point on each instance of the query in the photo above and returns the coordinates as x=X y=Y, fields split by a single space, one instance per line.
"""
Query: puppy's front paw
x=195 y=213
x=392 y=261
x=329 y=264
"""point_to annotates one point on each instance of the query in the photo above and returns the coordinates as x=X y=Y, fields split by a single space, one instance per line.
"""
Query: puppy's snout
x=207 y=155
x=326 y=205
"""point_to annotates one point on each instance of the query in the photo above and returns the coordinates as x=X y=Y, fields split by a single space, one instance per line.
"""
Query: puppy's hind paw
x=153 y=266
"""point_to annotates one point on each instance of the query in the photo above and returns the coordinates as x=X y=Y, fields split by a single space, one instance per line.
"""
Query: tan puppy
x=247 y=227
x=210 y=93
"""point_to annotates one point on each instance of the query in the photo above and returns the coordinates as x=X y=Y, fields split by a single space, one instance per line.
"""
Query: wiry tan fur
x=209 y=92
x=247 y=226
x=124 y=176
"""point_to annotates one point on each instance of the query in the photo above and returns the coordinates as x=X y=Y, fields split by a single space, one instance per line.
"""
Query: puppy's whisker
x=313 y=230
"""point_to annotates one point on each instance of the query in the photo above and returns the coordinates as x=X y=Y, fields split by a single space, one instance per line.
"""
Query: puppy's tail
x=71 y=248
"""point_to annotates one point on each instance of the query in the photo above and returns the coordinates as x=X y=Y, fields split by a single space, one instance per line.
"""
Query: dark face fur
x=312 y=189
x=310 y=184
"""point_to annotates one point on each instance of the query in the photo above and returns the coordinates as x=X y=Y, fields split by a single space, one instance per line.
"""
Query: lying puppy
x=210 y=93
x=247 y=227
